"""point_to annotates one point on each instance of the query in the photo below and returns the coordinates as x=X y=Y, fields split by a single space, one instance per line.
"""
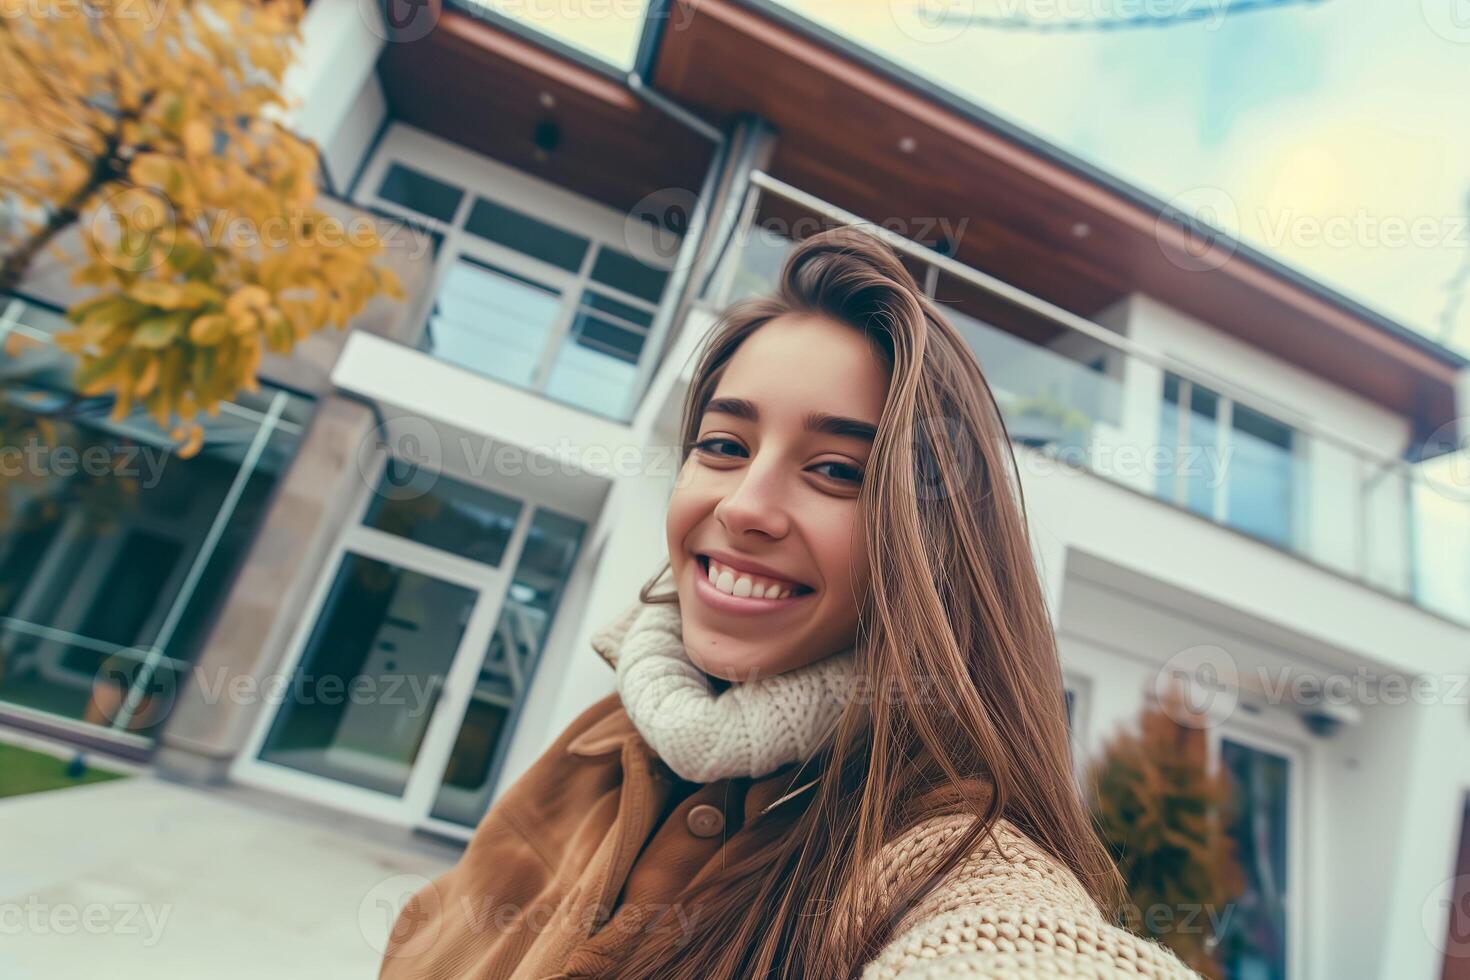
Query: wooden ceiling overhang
x=496 y=92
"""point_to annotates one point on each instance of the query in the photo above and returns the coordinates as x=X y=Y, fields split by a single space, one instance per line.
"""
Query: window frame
x=1224 y=437
x=480 y=177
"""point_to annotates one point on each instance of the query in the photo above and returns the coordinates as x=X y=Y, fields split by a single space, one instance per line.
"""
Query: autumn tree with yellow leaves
x=152 y=127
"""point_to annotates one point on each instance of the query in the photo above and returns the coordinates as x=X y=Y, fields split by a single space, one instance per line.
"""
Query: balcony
x=532 y=286
x=1086 y=394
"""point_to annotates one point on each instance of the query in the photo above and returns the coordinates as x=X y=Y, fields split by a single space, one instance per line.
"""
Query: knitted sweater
x=1007 y=911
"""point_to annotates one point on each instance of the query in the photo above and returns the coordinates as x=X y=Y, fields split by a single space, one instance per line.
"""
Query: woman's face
x=769 y=498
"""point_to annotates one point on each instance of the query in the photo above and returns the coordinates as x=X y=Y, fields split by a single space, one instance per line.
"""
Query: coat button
x=705 y=820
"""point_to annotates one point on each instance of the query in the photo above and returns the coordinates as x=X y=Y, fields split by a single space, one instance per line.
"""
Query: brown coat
x=563 y=847
x=598 y=838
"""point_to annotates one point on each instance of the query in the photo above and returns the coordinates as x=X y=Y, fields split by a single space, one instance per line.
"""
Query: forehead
x=800 y=363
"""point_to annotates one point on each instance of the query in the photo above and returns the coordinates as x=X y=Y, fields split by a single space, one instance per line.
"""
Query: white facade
x=1140 y=588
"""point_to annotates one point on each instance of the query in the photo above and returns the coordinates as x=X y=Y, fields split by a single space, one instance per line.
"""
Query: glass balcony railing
x=1088 y=395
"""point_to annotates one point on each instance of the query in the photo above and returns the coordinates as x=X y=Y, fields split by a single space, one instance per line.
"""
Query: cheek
x=842 y=548
x=688 y=505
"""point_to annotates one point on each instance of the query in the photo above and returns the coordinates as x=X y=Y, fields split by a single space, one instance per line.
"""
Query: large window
x=1229 y=462
x=115 y=553
x=533 y=286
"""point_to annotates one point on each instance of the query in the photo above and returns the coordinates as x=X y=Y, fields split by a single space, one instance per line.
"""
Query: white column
x=332 y=78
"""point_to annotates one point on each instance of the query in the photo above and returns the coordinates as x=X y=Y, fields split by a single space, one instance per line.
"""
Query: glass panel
x=491 y=321
x=100 y=535
x=1253 y=941
x=1201 y=451
x=1386 y=501
x=1441 y=539
x=758 y=256
x=1048 y=399
x=598 y=361
x=1191 y=460
x=466 y=520
x=1167 y=479
x=510 y=663
x=1261 y=470
x=360 y=701
x=622 y=271
x=420 y=192
x=526 y=234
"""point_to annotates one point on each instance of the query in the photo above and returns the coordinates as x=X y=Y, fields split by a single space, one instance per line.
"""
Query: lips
x=722 y=602
x=748 y=579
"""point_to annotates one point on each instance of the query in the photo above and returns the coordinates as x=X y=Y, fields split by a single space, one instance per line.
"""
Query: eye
x=843 y=472
x=710 y=445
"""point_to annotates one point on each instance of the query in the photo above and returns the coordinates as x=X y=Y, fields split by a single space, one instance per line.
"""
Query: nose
x=754 y=504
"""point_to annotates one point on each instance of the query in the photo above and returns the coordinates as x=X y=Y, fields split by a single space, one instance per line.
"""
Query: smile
x=732 y=590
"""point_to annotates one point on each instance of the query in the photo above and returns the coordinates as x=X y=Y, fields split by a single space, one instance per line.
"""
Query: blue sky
x=1333 y=135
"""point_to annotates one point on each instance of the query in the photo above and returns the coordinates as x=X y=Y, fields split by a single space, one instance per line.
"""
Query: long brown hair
x=955 y=647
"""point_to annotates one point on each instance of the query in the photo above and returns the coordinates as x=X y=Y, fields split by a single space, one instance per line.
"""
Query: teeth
x=743 y=585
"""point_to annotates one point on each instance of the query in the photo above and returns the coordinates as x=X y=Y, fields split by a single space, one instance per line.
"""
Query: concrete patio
x=144 y=879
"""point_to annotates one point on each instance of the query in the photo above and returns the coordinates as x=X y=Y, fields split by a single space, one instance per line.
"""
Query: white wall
x=332 y=84
x=1346 y=519
x=1381 y=800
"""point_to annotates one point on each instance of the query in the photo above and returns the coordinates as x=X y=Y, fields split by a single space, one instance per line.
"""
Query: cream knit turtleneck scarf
x=749 y=729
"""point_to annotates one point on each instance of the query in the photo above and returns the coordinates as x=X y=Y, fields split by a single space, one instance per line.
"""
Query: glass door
x=365 y=711
x=1262 y=934
x=473 y=768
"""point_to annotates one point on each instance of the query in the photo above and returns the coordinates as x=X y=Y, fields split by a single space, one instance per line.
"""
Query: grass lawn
x=25 y=771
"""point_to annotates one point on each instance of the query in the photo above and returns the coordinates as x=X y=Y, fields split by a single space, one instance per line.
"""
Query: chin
x=733 y=663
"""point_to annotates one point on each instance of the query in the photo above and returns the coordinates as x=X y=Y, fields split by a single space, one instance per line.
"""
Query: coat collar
x=606 y=735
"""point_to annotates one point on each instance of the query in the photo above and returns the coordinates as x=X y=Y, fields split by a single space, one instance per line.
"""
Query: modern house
x=374 y=587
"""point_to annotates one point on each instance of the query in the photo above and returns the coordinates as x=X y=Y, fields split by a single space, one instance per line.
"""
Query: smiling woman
x=838 y=746
x=768 y=499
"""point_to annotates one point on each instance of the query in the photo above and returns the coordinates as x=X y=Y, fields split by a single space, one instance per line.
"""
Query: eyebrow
x=836 y=425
